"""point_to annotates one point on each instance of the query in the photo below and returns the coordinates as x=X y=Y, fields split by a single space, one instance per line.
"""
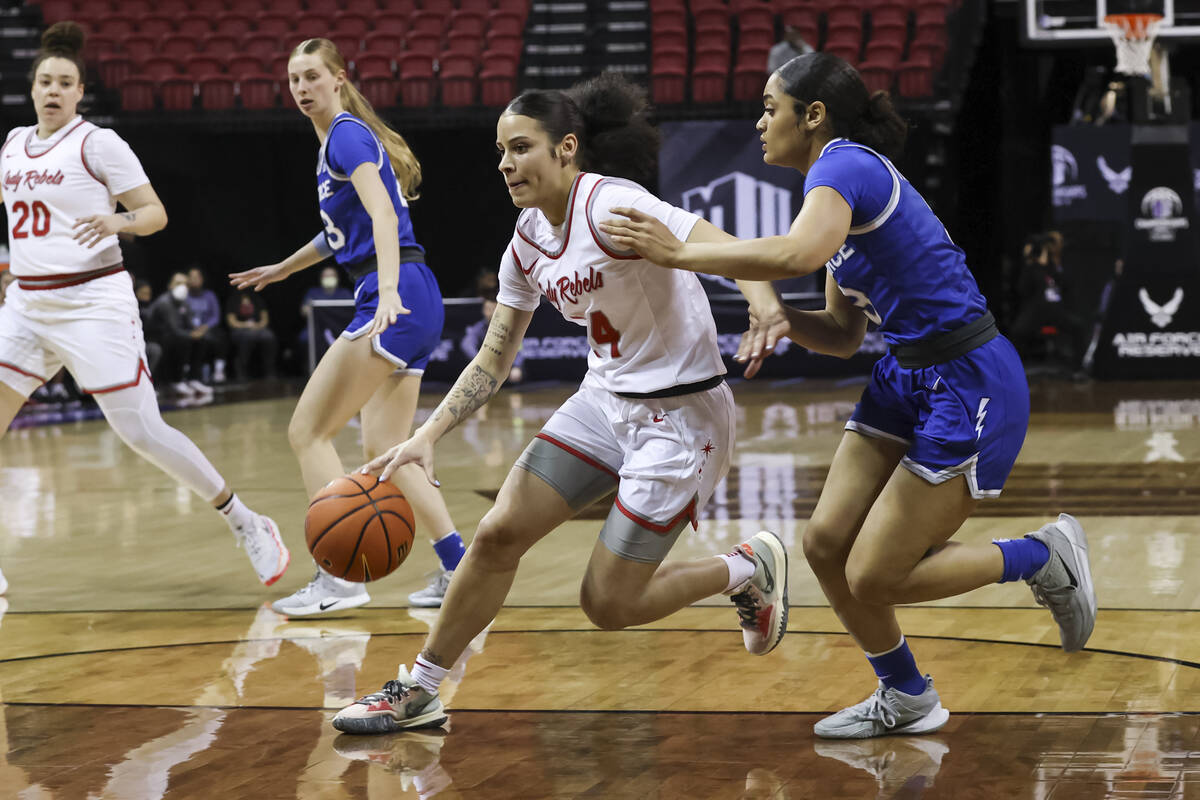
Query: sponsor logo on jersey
x=1065 y=175
x=1162 y=214
x=31 y=179
x=569 y=289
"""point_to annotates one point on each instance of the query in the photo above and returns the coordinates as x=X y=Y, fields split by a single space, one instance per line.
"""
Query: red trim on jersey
x=689 y=512
x=83 y=158
x=136 y=380
x=51 y=147
x=570 y=214
x=596 y=236
x=17 y=369
x=517 y=259
x=12 y=138
x=40 y=283
x=584 y=457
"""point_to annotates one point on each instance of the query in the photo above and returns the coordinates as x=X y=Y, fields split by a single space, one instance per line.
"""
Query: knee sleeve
x=133 y=413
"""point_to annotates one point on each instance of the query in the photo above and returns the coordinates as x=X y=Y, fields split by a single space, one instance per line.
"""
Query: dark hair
x=854 y=113
x=608 y=116
x=61 y=40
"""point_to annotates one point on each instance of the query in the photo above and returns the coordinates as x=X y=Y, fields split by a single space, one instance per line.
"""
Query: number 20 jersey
x=649 y=328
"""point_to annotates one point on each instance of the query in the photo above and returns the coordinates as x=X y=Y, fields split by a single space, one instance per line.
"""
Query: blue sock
x=897 y=669
x=450 y=549
x=1022 y=557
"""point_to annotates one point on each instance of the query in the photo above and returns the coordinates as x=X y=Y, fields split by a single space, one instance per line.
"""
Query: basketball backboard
x=1081 y=22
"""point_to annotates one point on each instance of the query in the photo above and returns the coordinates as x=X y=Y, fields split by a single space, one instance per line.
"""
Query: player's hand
x=644 y=234
x=767 y=327
x=417 y=450
x=390 y=307
x=90 y=231
x=258 y=277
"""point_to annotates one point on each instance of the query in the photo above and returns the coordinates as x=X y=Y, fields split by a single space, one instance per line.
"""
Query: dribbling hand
x=390 y=307
x=644 y=234
x=416 y=450
x=258 y=277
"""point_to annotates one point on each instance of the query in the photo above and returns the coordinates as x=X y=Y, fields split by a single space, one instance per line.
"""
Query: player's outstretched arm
x=311 y=253
x=476 y=385
x=144 y=214
x=815 y=236
x=836 y=330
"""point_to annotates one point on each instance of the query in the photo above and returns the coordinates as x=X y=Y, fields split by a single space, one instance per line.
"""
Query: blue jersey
x=898 y=264
x=348 y=230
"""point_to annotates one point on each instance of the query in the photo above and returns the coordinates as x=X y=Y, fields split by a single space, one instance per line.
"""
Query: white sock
x=741 y=569
x=429 y=676
x=236 y=515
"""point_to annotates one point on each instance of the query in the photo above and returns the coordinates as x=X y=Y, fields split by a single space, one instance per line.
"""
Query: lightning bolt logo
x=980 y=415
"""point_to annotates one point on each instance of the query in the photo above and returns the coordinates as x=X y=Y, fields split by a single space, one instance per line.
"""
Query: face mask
x=329 y=282
x=180 y=292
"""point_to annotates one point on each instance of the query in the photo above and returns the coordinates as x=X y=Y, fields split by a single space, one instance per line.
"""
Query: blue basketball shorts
x=412 y=338
x=965 y=417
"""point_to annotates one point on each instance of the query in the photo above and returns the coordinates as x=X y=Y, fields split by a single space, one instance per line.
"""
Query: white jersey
x=50 y=183
x=649 y=327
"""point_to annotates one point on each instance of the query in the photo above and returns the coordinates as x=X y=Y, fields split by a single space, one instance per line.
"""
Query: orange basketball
x=359 y=528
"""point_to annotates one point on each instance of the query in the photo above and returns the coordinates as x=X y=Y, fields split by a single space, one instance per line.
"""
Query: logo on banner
x=1162 y=214
x=1117 y=181
x=1066 y=177
x=1161 y=315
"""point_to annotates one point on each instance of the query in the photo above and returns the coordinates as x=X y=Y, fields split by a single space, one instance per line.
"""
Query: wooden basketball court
x=137 y=659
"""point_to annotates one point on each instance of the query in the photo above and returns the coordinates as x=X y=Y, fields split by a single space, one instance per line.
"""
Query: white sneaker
x=268 y=554
x=433 y=594
x=324 y=593
x=200 y=388
x=183 y=389
x=218 y=375
x=3 y=584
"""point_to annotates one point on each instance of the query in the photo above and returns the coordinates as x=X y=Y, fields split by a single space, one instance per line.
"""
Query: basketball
x=358 y=528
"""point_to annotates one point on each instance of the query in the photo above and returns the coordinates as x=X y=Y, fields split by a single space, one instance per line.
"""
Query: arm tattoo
x=130 y=216
x=471 y=392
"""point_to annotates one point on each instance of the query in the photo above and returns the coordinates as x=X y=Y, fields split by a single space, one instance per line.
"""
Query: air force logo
x=1117 y=181
x=1161 y=315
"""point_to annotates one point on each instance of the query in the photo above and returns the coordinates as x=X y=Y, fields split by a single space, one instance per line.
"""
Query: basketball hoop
x=1133 y=35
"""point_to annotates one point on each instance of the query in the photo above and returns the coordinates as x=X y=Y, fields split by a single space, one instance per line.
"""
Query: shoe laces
x=879 y=708
x=1058 y=600
x=392 y=692
x=748 y=606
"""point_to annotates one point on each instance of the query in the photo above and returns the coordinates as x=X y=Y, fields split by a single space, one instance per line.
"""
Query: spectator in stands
x=1043 y=310
x=154 y=349
x=169 y=322
x=487 y=288
x=791 y=45
x=329 y=288
x=248 y=322
x=206 y=317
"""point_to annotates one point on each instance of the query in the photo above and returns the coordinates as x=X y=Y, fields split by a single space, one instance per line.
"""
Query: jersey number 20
x=41 y=219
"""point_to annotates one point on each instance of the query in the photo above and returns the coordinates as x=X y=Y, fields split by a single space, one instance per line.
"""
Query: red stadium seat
x=712 y=39
x=383 y=42
x=883 y=54
x=178 y=94
x=391 y=23
x=368 y=8
x=468 y=23
x=57 y=10
x=755 y=38
x=670 y=17
x=326 y=8
x=877 y=75
x=915 y=79
x=291 y=8
x=667 y=84
x=380 y=89
x=512 y=45
x=155 y=26
x=115 y=68
x=159 y=68
x=930 y=47
x=713 y=58
x=843 y=18
x=401 y=7
x=805 y=20
x=443 y=8
x=194 y=25
x=482 y=6
x=710 y=18
x=373 y=64
x=268 y=23
x=134 y=9
x=845 y=44
x=220 y=45
x=95 y=46
x=704 y=5
x=117 y=26
x=423 y=45
x=748 y=80
x=137 y=94
x=210 y=8
x=755 y=15
x=427 y=24
x=497 y=78
x=457 y=74
x=236 y=25
x=172 y=8
x=708 y=84
x=262 y=46
x=216 y=92
x=203 y=64
x=889 y=35
x=889 y=15
x=177 y=45
x=351 y=24
x=347 y=44
x=245 y=64
x=464 y=44
x=666 y=40
x=310 y=26
x=258 y=91
x=416 y=79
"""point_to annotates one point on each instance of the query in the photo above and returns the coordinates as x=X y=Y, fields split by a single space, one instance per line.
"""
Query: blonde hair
x=404 y=162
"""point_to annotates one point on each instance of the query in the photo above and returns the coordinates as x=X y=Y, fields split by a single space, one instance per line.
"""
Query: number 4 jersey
x=649 y=328
x=49 y=183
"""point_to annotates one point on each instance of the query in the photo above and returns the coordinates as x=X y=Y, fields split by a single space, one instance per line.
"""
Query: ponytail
x=868 y=119
x=61 y=40
x=608 y=116
x=404 y=161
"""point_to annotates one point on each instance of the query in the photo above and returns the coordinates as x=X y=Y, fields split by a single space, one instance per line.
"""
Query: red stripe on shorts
x=136 y=380
x=689 y=512
x=581 y=456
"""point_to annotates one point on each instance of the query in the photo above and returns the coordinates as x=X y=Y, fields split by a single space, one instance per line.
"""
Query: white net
x=1133 y=35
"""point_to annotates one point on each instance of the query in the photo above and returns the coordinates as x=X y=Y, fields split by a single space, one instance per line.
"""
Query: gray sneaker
x=400 y=705
x=433 y=594
x=762 y=601
x=1064 y=583
x=888 y=712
